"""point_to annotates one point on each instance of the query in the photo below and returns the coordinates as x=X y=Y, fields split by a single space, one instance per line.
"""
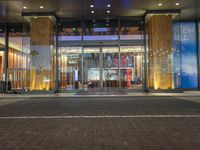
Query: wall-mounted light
x=41 y=7
x=160 y=4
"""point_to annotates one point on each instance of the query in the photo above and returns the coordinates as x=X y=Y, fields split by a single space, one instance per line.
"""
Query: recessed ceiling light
x=25 y=7
x=91 y=6
x=160 y=4
x=108 y=5
x=92 y=11
x=108 y=11
x=41 y=7
x=177 y=4
x=93 y=21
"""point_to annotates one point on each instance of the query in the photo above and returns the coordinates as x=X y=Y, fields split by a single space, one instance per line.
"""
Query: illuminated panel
x=160 y=52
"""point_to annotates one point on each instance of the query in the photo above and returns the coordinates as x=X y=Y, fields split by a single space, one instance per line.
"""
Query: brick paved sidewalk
x=153 y=132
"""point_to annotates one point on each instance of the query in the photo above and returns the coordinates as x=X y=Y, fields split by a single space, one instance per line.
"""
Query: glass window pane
x=131 y=30
x=16 y=57
x=2 y=36
x=70 y=31
x=110 y=68
x=132 y=67
x=91 y=68
x=100 y=30
x=70 y=68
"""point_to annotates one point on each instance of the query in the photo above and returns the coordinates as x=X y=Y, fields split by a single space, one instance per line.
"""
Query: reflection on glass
x=70 y=68
x=91 y=68
x=131 y=30
x=110 y=68
x=70 y=30
x=132 y=66
x=100 y=30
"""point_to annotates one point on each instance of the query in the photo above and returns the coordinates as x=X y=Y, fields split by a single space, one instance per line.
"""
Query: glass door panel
x=110 y=68
x=91 y=68
x=131 y=67
x=70 y=68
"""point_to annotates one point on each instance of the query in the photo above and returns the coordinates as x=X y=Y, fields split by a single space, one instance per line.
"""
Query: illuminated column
x=160 y=40
x=41 y=41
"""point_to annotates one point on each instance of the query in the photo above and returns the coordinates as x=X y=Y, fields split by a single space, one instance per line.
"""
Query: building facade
x=154 y=52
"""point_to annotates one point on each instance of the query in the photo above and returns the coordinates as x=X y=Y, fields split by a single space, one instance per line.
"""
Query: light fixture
x=93 y=21
x=108 y=11
x=160 y=4
x=25 y=7
x=1 y=30
x=108 y=5
x=107 y=24
x=177 y=4
x=91 y=6
x=41 y=7
x=35 y=17
x=107 y=20
x=92 y=11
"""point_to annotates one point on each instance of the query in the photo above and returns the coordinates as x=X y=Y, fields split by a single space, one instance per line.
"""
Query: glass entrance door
x=101 y=68
x=91 y=69
x=110 y=68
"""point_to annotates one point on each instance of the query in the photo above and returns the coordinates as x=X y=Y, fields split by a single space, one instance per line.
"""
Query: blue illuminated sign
x=189 y=55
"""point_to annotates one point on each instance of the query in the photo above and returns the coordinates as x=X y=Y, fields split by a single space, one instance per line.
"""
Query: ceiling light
x=160 y=4
x=108 y=11
x=107 y=21
x=25 y=7
x=91 y=6
x=177 y=4
x=92 y=11
x=108 y=5
x=93 y=21
x=41 y=7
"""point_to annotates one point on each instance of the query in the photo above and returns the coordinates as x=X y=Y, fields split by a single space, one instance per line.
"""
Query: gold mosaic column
x=42 y=41
x=160 y=40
